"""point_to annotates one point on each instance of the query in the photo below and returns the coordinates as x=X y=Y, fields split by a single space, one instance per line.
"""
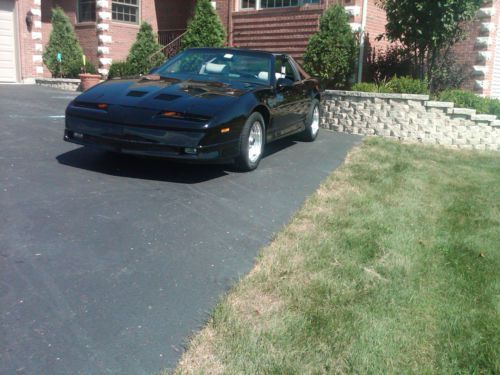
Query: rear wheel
x=312 y=122
x=252 y=140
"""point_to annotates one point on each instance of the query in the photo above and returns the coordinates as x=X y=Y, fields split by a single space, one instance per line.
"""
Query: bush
x=467 y=99
x=141 y=56
x=403 y=85
x=408 y=85
x=205 y=28
x=331 y=52
x=63 y=40
x=394 y=61
x=121 y=69
x=448 y=74
x=365 y=87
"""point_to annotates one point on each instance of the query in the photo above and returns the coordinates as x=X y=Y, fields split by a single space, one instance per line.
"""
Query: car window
x=284 y=69
x=223 y=64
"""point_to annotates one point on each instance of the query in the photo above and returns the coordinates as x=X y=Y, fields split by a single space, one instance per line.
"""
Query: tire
x=311 y=131
x=252 y=140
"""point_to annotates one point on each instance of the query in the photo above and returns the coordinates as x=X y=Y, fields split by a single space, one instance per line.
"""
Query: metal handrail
x=170 y=49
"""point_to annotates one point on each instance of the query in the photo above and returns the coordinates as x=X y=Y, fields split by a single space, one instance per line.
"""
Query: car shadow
x=147 y=168
x=138 y=167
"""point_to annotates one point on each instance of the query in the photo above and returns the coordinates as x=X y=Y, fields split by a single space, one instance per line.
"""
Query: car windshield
x=219 y=65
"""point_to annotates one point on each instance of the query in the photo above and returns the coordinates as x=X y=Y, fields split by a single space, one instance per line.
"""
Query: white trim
x=105 y=38
x=103 y=50
x=104 y=15
x=102 y=4
x=353 y=10
x=105 y=61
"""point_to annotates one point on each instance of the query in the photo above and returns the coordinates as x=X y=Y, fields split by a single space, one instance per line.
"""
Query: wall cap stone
x=434 y=104
x=360 y=94
x=482 y=117
x=464 y=111
x=57 y=80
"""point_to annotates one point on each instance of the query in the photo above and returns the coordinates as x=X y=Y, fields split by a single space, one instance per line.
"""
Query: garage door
x=7 y=42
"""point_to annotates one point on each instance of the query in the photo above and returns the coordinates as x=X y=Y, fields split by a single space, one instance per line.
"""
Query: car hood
x=168 y=94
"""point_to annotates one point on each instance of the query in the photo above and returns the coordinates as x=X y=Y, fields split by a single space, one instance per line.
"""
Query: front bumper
x=148 y=141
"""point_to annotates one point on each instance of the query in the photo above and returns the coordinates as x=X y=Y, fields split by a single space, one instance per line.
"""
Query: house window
x=125 y=10
x=248 y=4
x=261 y=4
x=86 y=11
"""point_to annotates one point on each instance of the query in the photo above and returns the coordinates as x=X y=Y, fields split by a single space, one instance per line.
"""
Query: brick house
x=107 y=28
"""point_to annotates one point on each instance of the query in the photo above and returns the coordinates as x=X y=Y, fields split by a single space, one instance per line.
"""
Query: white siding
x=495 y=80
x=7 y=42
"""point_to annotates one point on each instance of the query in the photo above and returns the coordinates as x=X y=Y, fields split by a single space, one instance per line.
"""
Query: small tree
x=143 y=54
x=63 y=41
x=428 y=29
x=205 y=28
x=331 y=52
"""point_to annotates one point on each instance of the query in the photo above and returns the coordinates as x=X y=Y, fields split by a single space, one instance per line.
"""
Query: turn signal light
x=102 y=106
x=225 y=130
x=171 y=114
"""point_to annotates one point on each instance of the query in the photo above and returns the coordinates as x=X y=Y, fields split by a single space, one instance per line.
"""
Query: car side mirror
x=283 y=83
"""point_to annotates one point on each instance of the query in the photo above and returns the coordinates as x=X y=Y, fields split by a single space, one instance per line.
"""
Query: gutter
x=362 y=41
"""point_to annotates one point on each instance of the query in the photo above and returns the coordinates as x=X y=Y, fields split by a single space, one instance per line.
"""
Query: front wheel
x=252 y=140
x=312 y=122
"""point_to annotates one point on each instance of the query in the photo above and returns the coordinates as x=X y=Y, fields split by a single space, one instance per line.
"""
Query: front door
x=7 y=42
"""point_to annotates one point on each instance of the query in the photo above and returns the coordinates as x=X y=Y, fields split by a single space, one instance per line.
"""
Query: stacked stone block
x=410 y=118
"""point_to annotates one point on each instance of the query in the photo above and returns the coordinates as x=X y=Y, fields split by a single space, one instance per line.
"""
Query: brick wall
x=30 y=42
x=85 y=32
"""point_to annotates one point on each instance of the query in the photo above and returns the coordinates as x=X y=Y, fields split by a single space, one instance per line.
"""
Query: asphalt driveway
x=109 y=263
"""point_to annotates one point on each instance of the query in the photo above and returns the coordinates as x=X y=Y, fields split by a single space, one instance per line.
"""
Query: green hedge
x=402 y=85
x=121 y=69
x=467 y=99
x=371 y=87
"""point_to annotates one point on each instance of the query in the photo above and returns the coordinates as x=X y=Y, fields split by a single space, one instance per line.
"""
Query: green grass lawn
x=392 y=266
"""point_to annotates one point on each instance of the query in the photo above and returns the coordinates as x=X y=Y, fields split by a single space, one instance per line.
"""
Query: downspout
x=230 y=23
x=362 y=41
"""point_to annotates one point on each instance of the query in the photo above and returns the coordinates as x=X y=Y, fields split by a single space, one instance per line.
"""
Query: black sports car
x=205 y=104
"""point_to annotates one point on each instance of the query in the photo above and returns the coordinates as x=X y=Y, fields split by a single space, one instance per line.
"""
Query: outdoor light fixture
x=29 y=20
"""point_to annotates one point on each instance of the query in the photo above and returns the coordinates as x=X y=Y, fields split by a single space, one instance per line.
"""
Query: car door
x=288 y=111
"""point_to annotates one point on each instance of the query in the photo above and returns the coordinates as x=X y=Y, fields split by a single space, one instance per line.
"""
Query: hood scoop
x=136 y=93
x=167 y=97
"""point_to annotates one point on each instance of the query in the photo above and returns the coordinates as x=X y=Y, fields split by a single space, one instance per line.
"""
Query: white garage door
x=7 y=42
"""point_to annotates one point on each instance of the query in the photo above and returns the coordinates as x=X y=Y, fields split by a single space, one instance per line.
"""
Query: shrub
x=403 y=85
x=121 y=69
x=63 y=40
x=141 y=56
x=394 y=61
x=408 y=85
x=467 y=99
x=448 y=74
x=366 y=87
x=331 y=52
x=205 y=28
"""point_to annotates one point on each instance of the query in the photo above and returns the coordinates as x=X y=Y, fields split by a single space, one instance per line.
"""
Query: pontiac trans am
x=203 y=105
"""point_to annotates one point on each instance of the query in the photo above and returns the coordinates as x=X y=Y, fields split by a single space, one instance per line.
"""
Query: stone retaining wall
x=411 y=118
x=60 y=83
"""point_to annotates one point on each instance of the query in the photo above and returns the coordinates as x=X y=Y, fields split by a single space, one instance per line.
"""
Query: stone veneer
x=104 y=37
x=412 y=118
